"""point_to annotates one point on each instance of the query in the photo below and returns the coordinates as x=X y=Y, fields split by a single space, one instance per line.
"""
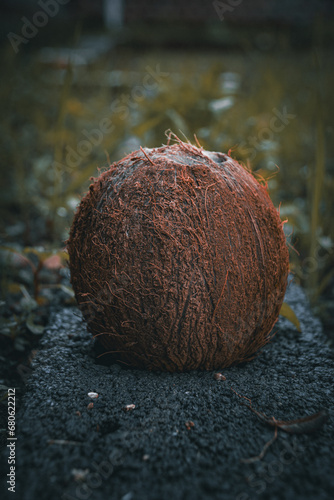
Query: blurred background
x=84 y=82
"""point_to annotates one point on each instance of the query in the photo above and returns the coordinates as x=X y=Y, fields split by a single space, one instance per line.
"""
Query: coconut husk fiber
x=178 y=260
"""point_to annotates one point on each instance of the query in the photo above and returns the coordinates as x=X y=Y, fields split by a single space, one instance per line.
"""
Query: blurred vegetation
x=271 y=106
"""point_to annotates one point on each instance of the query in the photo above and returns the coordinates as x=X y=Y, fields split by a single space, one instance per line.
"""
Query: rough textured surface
x=178 y=259
x=148 y=453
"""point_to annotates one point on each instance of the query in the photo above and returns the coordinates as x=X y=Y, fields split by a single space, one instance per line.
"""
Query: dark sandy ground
x=65 y=450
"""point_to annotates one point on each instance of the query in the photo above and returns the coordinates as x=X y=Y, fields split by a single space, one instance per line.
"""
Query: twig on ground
x=303 y=425
x=263 y=452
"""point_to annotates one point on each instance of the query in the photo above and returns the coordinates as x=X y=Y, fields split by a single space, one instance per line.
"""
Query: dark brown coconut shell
x=178 y=260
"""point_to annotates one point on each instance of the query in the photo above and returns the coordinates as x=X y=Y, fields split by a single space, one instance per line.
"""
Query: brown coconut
x=178 y=260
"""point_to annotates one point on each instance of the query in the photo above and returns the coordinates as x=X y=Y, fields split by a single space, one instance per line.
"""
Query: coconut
x=178 y=260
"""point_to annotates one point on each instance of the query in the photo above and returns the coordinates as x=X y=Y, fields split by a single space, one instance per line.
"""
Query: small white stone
x=79 y=474
x=93 y=395
x=129 y=407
